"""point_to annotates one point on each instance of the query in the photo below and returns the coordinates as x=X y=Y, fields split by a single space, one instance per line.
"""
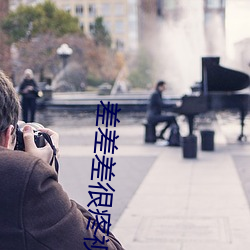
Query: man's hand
x=45 y=153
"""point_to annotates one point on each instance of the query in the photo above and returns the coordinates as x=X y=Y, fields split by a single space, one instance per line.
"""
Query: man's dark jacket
x=155 y=104
x=35 y=212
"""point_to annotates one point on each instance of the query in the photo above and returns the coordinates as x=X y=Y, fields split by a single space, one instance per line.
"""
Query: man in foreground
x=35 y=212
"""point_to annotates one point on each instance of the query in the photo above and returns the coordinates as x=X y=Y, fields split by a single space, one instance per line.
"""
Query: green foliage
x=141 y=74
x=93 y=80
x=42 y=18
x=100 y=33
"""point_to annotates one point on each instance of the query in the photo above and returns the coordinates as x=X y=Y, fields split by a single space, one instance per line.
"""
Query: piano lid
x=218 y=78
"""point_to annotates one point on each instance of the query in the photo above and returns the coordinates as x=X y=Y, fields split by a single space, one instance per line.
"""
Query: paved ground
x=76 y=152
x=163 y=201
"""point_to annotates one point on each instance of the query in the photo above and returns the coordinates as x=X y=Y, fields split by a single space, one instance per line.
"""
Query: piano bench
x=150 y=132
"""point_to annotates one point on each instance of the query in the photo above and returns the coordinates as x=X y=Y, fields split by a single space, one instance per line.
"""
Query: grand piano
x=220 y=89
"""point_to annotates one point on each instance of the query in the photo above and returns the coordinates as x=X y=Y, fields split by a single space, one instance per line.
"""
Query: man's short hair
x=159 y=84
x=9 y=104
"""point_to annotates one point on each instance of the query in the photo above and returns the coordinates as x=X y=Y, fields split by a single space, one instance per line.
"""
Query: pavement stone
x=190 y=204
x=168 y=202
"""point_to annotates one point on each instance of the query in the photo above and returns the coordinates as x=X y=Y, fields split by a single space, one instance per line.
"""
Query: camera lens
x=38 y=137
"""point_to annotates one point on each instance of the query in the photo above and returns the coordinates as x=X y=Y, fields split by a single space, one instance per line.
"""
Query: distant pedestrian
x=29 y=91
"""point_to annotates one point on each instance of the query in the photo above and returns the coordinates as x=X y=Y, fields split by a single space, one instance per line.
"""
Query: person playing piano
x=154 y=110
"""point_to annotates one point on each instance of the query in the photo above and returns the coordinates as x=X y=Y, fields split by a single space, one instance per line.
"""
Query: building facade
x=120 y=18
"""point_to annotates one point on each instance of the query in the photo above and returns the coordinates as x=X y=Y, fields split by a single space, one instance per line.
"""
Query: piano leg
x=243 y=114
x=190 y=123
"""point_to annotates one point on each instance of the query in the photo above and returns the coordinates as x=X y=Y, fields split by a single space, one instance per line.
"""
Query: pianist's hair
x=159 y=84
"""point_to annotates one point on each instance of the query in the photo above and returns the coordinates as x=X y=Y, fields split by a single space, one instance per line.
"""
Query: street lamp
x=64 y=51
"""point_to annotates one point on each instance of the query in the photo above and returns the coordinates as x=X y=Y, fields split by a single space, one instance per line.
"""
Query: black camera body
x=38 y=138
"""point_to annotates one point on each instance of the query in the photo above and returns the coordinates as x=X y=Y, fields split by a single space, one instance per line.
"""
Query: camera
x=38 y=137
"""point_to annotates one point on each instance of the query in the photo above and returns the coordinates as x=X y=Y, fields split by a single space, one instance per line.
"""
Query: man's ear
x=7 y=140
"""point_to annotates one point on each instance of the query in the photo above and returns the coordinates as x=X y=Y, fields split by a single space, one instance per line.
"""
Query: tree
x=141 y=73
x=96 y=64
x=100 y=33
x=5 y=63
x=42 y=18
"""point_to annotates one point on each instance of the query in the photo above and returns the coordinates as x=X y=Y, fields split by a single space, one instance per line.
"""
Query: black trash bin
x=189 y=146
x=207 y=140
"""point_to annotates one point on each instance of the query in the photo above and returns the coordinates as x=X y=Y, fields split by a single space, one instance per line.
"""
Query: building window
x=107 y=25
x=119 y=27
x=92 y=10
x=132 y=26
x=106 y=9
x=82 y=26
x=119 y=44
x=119 y=9
x=79 y=10
x=170 y=4
x=214 y=4
x=91 y=27
x=132 y=10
